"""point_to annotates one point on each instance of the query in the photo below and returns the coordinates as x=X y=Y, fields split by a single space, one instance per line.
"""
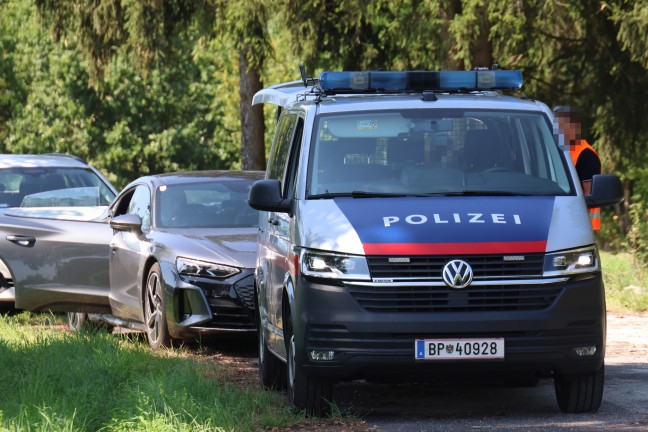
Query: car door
x=57 y=264
x=276 y=250
x=129 y=252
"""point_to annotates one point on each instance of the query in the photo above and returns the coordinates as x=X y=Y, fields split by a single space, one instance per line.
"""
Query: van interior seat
x=482 y=150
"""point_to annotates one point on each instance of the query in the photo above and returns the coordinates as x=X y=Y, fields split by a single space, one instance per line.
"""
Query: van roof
x=294 y=93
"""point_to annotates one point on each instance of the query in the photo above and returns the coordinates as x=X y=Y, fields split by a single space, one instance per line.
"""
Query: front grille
x=245 y=290
x=484 y=266
x=230 y=314
x=443 y=299
x=435 y=297
x=232 y=305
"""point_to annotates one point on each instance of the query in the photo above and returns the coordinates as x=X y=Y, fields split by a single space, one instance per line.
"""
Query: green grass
x=56 y=380
x=626 y=282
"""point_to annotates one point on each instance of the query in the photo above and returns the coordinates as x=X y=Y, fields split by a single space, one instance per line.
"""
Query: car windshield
x=52 y=187
x=435 y=152
x=213 y=204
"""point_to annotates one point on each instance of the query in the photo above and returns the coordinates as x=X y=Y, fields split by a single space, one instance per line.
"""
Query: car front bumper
x=381 y=346
x=201 y=307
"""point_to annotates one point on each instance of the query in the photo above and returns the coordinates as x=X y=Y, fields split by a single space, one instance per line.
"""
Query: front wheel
x=581 y=393
x=157 y=332
x=305 y=393
x=271 y=370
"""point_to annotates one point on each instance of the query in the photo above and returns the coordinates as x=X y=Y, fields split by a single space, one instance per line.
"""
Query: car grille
x=232 y=306
x=483 y=266
x=403 y=297
x=245 y=290
x=443 y=299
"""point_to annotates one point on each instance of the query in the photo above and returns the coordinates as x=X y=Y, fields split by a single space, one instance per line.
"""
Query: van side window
x=291 y=169
x=281 y=149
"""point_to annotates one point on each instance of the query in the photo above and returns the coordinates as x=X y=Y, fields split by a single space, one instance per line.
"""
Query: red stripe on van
x=470 y=248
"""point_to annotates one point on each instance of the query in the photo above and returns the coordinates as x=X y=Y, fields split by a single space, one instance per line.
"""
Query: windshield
x=52 y=187
x=430 y=152
x=215 y=204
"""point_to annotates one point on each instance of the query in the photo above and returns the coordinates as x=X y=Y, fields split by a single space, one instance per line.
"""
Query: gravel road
x=477 y=408
x=422 y=408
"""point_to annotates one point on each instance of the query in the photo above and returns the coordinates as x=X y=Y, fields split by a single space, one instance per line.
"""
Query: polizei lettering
x=454 y=218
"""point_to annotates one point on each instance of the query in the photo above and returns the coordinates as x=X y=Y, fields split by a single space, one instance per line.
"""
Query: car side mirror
x=266 y=195
x=126 y=222
x=607 y=189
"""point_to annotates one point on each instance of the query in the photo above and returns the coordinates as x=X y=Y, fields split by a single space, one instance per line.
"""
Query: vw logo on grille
x=457 y=274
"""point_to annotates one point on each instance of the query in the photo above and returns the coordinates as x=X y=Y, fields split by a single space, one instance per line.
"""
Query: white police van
x=421 y=225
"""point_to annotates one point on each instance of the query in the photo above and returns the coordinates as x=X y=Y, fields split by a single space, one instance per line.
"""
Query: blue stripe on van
x=465 y=222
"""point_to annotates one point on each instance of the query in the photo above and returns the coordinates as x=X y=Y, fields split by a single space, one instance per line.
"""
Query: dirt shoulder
x=627 y=344
x=627 y=338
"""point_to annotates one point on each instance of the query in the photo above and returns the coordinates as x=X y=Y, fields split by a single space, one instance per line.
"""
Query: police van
x=420 y=226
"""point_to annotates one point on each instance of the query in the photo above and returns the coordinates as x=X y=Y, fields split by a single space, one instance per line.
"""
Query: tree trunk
x=482 y=52
x=252 y=123
x=453 y=8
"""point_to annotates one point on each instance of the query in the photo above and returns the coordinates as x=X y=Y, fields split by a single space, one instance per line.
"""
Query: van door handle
x=26 y=241
x=273 y=221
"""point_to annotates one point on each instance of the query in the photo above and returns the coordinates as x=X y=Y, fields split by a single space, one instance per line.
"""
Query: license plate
x=455 y=349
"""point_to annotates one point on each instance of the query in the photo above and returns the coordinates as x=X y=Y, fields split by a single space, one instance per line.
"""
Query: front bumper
x=380 y=345
x=201 y=307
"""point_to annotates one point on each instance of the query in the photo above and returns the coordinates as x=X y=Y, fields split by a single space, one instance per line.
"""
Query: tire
x=155 y=321
x=272 y=371
x=76 y=320
x=305 y=393
x=581 y=393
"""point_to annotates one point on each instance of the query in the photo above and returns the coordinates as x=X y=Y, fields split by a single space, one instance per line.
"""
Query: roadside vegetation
x=626 y=282
x=55 y=380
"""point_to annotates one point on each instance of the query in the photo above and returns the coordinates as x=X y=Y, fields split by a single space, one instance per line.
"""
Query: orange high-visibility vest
x=574 y=152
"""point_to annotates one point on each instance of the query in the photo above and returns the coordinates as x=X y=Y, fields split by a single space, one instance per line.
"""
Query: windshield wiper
x=357 y=194
x=483 y=193
x=365 y=194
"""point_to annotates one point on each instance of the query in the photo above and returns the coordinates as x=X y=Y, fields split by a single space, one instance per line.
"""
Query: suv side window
x=281 y=148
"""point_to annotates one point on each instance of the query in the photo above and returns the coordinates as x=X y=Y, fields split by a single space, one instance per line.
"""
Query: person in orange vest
x=585 y=158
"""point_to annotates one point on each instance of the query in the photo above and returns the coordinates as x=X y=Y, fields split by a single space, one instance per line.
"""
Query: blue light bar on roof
x=418 y=81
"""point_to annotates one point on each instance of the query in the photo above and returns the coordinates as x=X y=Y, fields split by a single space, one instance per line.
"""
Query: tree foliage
x=144 y=86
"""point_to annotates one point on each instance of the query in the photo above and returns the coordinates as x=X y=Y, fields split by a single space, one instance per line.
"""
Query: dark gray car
x=173 y=256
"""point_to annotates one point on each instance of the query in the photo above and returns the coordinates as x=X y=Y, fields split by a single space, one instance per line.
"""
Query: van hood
x=445 y=225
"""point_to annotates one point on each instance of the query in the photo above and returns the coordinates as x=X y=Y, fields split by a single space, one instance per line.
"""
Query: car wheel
x=305 y=393
x=157 y=332
x=580 y=393
x=76 y=320
x=271 y=369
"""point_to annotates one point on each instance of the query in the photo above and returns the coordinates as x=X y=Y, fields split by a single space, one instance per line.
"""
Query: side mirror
x=607 y=189
x=266 y=195
x=126 y=222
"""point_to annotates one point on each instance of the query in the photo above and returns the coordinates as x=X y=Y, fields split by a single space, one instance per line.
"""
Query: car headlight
x=583 y=260
x=333 y=265
x=197 y=268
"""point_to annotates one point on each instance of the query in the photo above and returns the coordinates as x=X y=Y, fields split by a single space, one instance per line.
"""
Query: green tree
x=589 y=54
x=129 y=126
x=144 y=32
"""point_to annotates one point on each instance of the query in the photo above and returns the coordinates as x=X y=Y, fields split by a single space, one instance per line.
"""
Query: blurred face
x=569 y=127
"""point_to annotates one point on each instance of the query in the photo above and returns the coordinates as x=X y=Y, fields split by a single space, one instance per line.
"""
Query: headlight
x=585 y=260
x=333 y=266
x=197 y=268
